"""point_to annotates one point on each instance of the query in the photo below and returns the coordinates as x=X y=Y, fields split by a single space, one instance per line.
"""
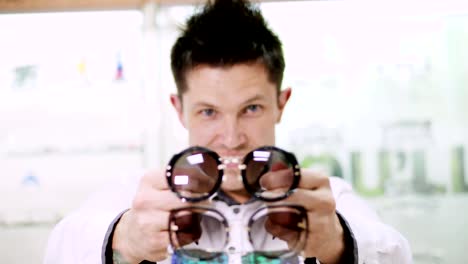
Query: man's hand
x=142 y=232
x=278 y=180
x=325 y=238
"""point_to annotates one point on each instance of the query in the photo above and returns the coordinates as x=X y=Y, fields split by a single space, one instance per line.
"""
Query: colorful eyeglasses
x=268 y=173
x=277 y=233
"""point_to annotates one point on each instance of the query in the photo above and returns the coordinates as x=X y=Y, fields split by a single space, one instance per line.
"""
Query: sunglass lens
x=269 y=174
x=198 y=234
x=195 y=175
x=278 y=232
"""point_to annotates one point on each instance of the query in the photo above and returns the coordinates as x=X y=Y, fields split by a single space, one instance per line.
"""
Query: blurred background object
x=379 y=99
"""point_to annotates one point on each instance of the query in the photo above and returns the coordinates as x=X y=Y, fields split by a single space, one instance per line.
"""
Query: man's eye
x=207 y=112
x=252 y=109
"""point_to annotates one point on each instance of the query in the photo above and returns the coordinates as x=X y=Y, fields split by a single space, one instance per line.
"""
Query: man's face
x=230 y=110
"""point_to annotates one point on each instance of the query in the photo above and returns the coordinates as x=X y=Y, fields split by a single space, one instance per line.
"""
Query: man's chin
x=232 y=183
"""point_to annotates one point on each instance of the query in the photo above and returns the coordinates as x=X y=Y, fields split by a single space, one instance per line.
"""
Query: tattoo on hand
x=117 y=258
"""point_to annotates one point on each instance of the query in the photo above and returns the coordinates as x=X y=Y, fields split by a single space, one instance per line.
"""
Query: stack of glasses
x=276 y=231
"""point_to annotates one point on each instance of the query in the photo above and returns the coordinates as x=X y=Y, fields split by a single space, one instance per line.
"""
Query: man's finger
x=156 y=179
x=279 y=179
x=282 y=232
x=313 y=200
x=153 y=221
x=165 y=200
x=312 y=180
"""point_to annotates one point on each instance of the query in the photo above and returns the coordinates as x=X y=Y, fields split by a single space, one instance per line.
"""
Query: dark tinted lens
x=195 y=174
x=198 y=234
x=269 y=174
x=278 y=232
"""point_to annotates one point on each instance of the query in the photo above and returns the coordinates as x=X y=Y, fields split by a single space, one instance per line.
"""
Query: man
x=228 y=67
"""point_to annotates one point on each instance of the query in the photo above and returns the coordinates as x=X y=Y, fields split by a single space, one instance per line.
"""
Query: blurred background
x=380 y=98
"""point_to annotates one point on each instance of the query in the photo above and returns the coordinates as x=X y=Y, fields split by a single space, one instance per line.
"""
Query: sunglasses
x=277 y=234
x=268 y=173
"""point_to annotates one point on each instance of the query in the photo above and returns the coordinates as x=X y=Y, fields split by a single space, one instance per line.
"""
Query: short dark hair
x=225 y=33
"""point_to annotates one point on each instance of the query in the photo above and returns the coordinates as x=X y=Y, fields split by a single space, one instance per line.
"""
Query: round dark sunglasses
x=268 y=173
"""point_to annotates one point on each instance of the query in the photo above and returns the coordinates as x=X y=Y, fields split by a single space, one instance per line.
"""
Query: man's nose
x=233 y=134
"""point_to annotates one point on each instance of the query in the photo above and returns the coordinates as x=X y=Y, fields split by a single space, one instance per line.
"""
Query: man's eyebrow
x=254 y=98
x=202 y=104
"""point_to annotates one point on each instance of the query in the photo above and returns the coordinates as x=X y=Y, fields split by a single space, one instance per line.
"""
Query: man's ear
x=283 y=98
x=176 y=102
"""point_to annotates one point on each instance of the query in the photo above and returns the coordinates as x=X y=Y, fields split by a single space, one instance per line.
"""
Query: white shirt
x=79 y=238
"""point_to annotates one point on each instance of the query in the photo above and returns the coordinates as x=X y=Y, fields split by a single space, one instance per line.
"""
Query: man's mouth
x=232 y=165
x=230 y=160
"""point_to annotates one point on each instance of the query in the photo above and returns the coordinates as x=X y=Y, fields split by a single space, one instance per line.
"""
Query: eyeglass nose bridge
x=239 y=166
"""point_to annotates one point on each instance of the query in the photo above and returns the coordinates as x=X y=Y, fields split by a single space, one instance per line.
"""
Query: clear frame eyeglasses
x=268 y=173
x=277 y=234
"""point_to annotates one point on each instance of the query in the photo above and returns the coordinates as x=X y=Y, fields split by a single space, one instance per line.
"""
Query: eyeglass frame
x=225 y=223
x=242 y=167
